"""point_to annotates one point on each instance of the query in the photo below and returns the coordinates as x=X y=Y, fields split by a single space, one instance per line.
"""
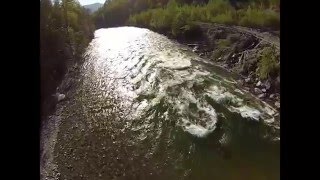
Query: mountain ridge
x=93 y=7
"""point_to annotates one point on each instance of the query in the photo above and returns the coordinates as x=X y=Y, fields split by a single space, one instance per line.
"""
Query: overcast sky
x=85 y=2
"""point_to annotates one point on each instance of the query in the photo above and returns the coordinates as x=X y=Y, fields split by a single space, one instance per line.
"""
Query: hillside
x=93 y=7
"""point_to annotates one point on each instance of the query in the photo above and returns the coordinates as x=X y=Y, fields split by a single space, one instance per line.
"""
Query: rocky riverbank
x=51 y=120
x=240 y=50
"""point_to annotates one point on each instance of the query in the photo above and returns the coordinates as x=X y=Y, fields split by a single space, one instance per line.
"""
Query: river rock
x=277 y=104
x=264 y=90
x=257 y=91
x=59 y=97
x=262 y=95
x=247 y=80
x=267 y=84
x=258 y=84
x=240 y=82
x=271 y=96
x=195 y=49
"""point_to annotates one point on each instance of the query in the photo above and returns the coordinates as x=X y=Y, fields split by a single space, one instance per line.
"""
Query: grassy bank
x=177 y=19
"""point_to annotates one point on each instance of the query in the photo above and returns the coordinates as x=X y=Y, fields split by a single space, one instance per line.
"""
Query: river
x=145 y=107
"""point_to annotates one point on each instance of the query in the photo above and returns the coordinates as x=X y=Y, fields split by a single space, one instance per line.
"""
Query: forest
x=65 y=31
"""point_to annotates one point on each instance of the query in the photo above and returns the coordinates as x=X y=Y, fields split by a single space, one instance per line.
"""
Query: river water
x=145 y=107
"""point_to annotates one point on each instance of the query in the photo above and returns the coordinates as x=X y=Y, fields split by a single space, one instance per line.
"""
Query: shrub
x=258 y=18
x=268 y=64
x=161 y=19
x=196 y=14
x=225 y=18
x=178 y=23
x=216 y=7
x=177 y=19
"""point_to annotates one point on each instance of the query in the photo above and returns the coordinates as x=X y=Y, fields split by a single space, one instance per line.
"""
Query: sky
x=85 y=2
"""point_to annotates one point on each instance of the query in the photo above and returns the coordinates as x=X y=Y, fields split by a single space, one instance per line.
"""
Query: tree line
x=176 y=17
x=65 y=30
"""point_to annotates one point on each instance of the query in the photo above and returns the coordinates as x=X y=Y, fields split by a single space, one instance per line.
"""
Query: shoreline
x=204 y=44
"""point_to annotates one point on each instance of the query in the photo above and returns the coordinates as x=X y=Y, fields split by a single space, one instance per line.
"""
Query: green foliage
x=217 y=7
x=176 y=16
x=179 y=22
x=62 y=22
x=161 y=20
x=260 y=18
x=268 y=64
x=197 y=14
x=117 y=12
x=65 y=31
x=172 y=5
x=177 y=19
x=225 y=18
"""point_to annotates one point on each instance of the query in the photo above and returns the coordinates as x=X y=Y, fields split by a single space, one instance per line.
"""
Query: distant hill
x=93 y=7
